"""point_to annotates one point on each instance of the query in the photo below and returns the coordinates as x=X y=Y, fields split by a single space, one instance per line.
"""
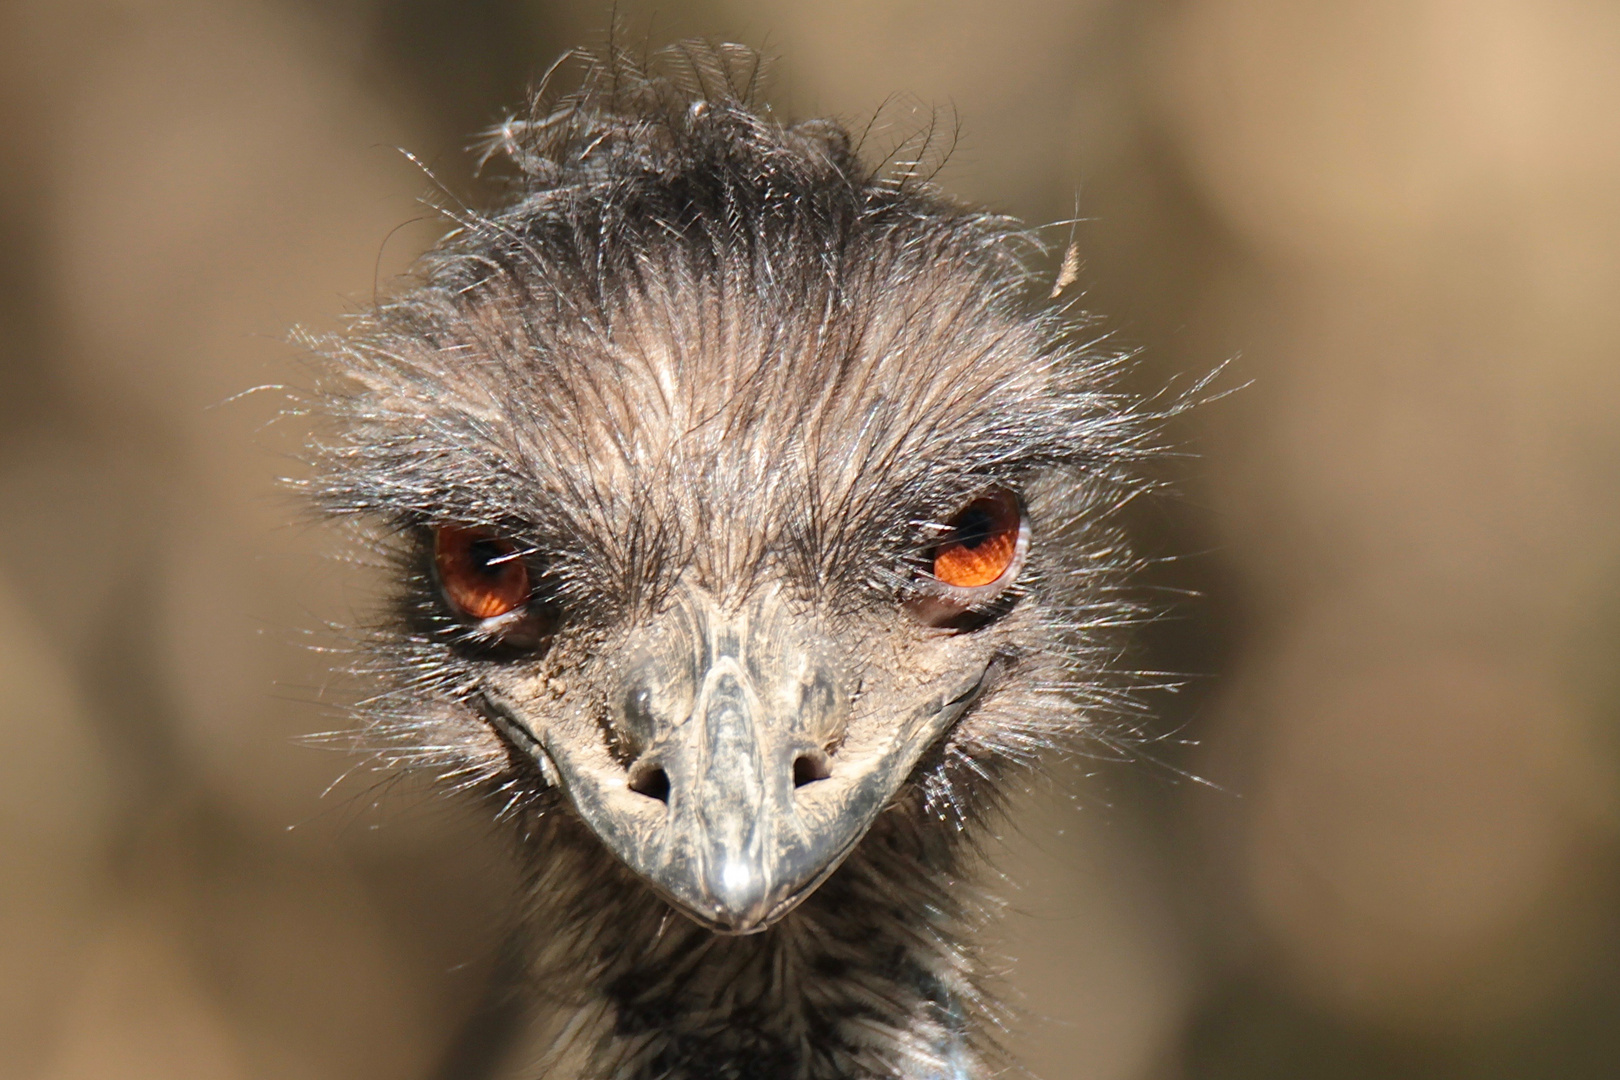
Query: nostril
x=808 y=769
x=653 y=783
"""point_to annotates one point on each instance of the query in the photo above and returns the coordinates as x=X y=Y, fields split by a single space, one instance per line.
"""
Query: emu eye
x=982 y=543
x=978 y=556
x=482 y=575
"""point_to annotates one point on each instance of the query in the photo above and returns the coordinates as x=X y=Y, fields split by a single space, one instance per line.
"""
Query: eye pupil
x=480 y=574
x=973 y=528
x=483 y=554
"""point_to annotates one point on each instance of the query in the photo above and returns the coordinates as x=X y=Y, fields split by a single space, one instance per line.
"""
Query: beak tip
x=739 y=897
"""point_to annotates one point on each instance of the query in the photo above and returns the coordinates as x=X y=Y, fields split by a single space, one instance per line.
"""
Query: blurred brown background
x=1402 y=219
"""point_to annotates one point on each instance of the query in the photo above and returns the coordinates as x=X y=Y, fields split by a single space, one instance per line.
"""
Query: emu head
x=738 y=494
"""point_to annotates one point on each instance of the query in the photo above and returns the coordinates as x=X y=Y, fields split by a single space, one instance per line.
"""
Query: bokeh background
x=1393 y=557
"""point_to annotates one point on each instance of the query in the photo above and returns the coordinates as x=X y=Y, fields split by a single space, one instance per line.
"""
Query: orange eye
x=982 y=544
x=481 y=574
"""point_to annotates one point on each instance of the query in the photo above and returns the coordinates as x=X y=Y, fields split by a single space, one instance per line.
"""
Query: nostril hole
x=807 y=770
x=654 y=783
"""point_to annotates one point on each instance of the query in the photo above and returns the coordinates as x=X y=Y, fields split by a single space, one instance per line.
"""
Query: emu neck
x=870 y=977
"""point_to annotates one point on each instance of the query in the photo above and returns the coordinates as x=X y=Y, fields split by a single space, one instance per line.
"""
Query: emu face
x=819 y=597
x=738 y=496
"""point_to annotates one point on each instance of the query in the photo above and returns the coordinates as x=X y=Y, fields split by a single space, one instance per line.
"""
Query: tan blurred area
x=1400 y=222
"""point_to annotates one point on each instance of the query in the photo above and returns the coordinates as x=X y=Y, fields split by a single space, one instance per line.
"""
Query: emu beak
x=732 y=809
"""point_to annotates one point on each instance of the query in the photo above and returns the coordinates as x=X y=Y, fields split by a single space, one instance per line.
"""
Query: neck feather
x=872 y=976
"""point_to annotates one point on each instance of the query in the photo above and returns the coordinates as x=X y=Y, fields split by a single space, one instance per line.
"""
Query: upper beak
x=732 y=808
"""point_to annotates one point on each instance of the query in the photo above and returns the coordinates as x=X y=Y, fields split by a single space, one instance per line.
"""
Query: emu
x=753 y=519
